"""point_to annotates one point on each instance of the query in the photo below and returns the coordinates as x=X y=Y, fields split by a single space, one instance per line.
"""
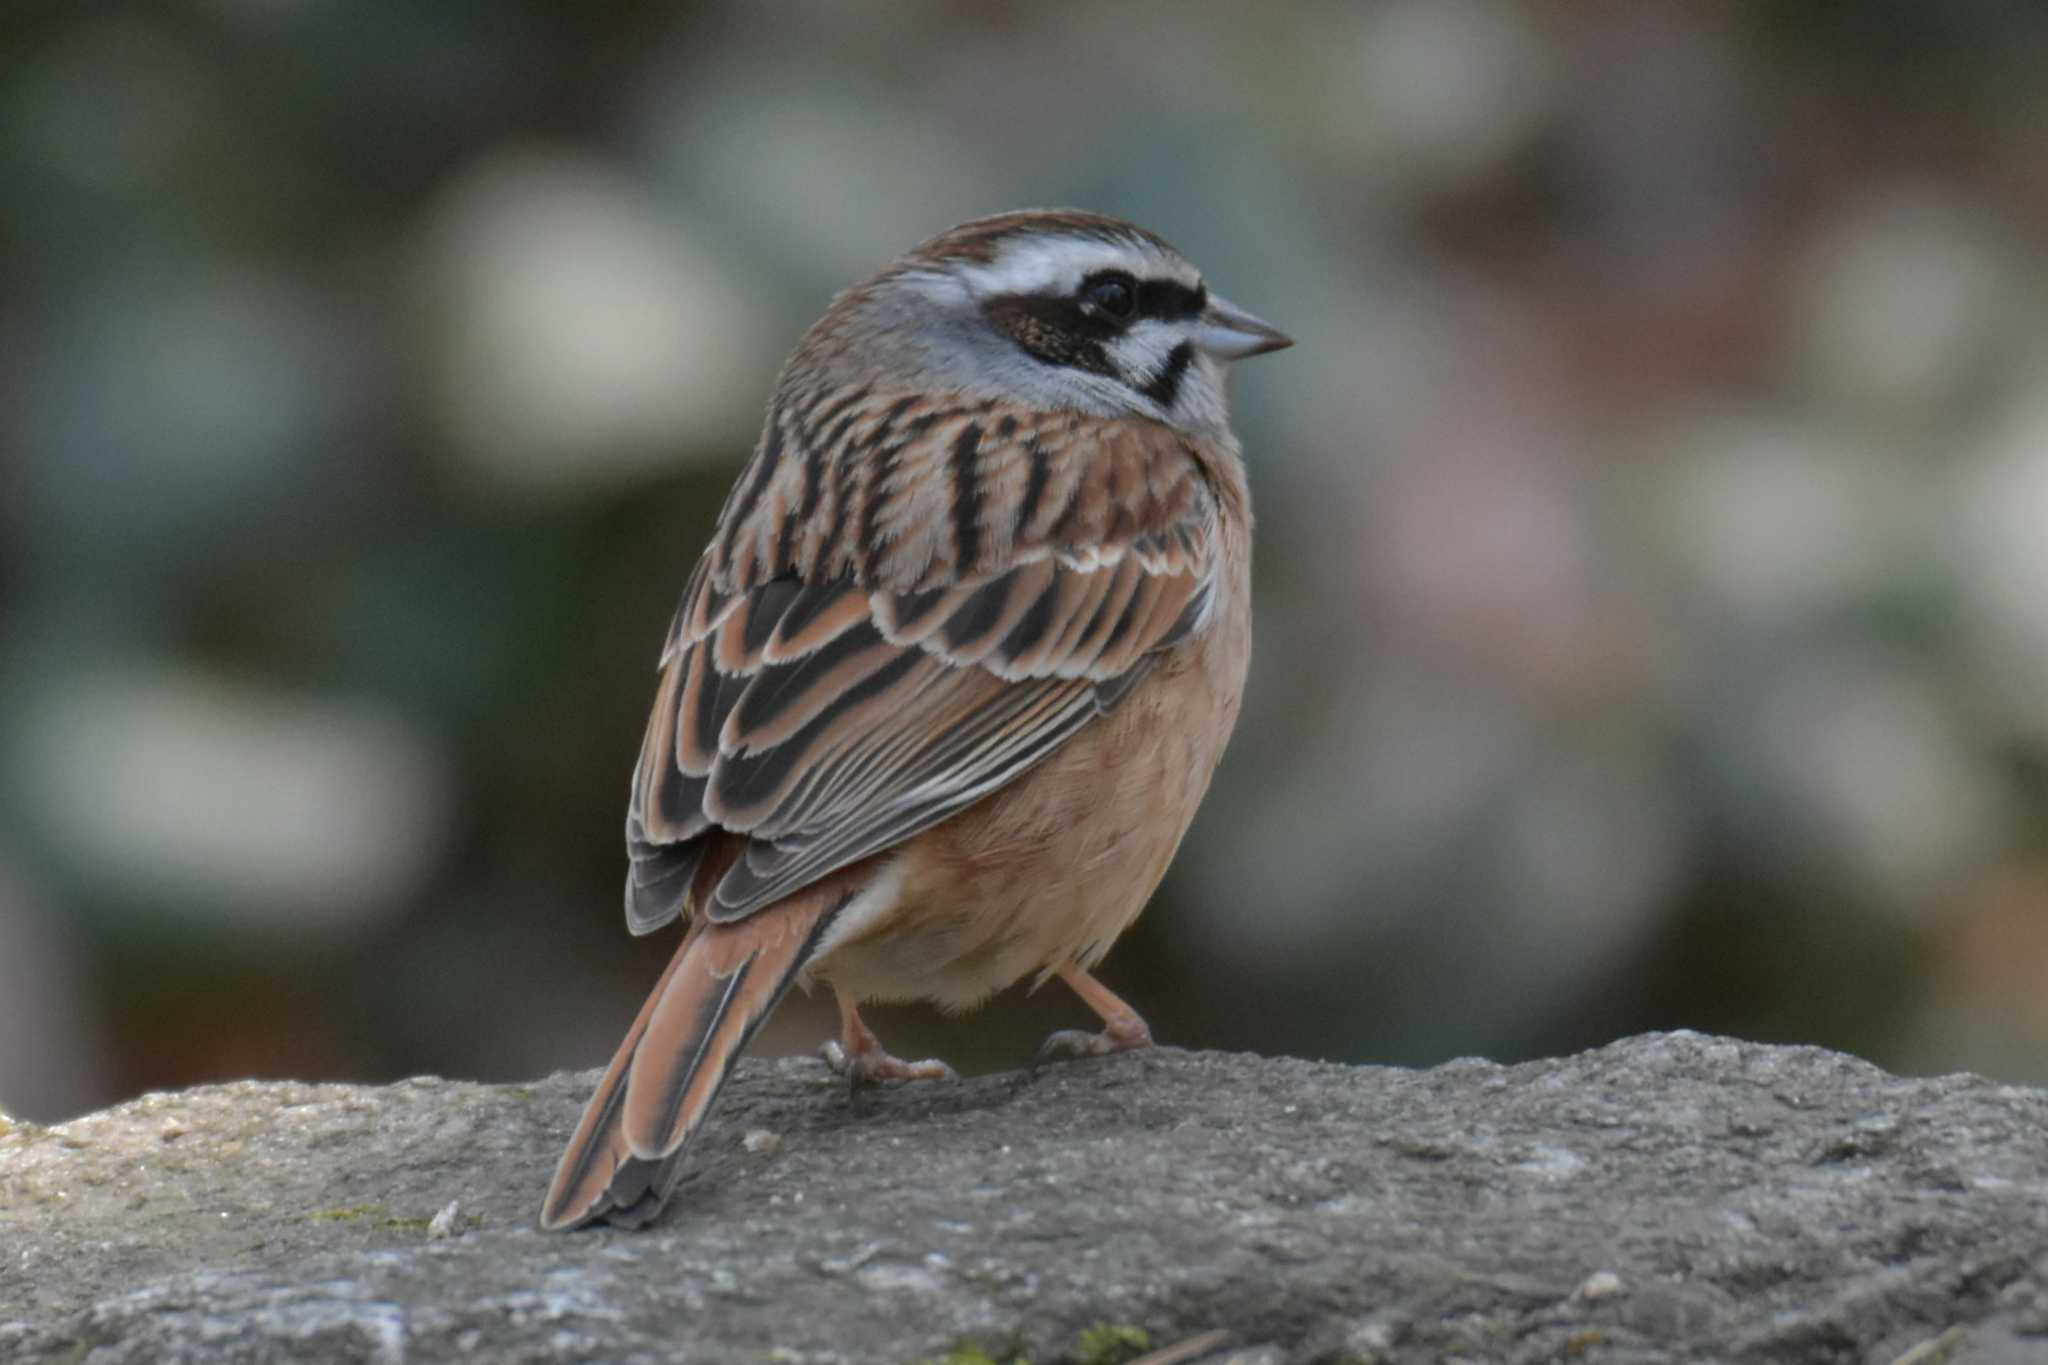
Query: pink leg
x=860 y=1057
x=1122 y=1027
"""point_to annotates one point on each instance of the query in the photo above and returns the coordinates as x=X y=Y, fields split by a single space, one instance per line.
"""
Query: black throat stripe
x=1165 y=386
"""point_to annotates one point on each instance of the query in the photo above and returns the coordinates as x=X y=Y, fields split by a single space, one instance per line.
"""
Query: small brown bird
x=949 y=682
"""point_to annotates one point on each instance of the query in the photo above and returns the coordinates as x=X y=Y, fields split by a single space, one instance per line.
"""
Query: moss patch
x=348 y=1215
x=1112 y=1343
x=1106 y=1343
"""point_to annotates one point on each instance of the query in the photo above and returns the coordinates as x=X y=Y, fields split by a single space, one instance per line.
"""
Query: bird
x=949 y=681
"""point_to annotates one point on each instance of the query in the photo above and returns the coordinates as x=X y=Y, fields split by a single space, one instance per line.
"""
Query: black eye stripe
x=1165 y=300
x=1055 y=330
x=1114 y=298
x=1062 y=329
x=1170 y=300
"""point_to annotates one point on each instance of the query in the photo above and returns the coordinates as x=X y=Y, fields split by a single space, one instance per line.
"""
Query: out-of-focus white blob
x=1437 y=91
x=1440 y=819
x=1366 y=812
x=1897 y=301
x=1775 y=520
x=1567 y=872
x=1872 y=776
x=1997 y=548
x=263 y=812
x=781 y=146
x=581 y=336
x=53 y=1052
x=1480 y=539
x=1383 y=813
x=1380 y=361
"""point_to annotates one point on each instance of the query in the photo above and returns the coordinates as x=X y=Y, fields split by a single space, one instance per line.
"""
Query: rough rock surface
x=1670 y=1197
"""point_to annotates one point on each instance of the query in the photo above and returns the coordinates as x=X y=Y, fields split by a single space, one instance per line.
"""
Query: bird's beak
x=1229 y=333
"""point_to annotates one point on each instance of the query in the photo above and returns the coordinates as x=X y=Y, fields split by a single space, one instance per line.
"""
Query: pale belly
x=1054 y=867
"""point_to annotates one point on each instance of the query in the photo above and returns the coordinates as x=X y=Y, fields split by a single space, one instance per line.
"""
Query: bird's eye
x=1111 y=295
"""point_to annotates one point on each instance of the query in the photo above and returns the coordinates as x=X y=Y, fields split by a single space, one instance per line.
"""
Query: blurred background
x=1653 y=519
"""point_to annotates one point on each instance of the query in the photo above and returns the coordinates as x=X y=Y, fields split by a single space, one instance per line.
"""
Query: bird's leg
x=860 y=1057
x=1122 y=1027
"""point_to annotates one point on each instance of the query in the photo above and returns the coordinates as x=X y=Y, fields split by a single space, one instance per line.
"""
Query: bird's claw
x=873 y=1066
x=1073 y=1042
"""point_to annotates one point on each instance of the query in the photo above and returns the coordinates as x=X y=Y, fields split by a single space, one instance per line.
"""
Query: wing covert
x=830 y=709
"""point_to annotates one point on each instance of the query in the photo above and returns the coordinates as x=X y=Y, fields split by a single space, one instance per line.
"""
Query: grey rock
x=1671 y=1197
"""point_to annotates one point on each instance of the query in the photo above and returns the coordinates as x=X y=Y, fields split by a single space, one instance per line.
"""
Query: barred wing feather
x=821 y=712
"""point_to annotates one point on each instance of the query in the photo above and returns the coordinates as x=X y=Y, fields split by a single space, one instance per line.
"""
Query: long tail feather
x=724 y=980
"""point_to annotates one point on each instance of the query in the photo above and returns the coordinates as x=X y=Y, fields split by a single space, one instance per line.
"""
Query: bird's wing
x=884 y=633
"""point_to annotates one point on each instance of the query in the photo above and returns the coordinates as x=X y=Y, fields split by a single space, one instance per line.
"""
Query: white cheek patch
x=1143 y=352
x=1144 y=348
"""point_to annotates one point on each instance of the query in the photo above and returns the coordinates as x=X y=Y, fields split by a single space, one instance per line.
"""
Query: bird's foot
x=871 y=1066
x=860 y=1057
x=1122 y=1035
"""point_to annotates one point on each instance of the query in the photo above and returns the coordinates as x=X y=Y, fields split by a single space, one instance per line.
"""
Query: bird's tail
x=724 y=980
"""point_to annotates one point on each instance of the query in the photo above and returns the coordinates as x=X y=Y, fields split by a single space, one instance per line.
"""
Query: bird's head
x=1056 y=309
